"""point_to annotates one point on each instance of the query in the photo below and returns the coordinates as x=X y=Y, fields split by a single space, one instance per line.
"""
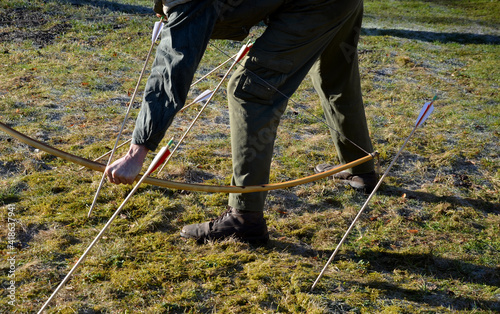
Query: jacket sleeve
x=184 y=40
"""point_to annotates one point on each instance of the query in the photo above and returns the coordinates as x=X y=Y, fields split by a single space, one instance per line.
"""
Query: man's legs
x=279 y=60
x=336 y=79
x=258 y=92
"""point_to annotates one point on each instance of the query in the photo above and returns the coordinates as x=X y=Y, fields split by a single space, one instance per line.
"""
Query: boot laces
x=228 y=211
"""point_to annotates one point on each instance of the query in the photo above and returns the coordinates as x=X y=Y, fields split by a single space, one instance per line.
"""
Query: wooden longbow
x=179 y=185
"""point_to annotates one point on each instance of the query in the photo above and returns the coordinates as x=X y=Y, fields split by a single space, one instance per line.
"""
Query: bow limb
x=179 y=185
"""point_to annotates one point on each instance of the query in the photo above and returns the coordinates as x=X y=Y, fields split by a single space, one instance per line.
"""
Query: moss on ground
x=428 y=243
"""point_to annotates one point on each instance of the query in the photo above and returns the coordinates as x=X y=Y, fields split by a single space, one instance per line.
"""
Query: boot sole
x=252 y=240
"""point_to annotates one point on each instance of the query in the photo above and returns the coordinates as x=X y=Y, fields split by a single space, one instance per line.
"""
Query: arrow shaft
x=100 y=234
x=242 y=51
x=189 y=105
x=121 y=128
x=363 y=208
x=109 y=152
x=213 y=70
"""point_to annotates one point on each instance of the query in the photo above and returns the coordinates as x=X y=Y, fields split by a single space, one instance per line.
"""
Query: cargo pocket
x=263 y=75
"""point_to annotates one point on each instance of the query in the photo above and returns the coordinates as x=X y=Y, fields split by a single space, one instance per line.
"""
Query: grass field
x=428 y=243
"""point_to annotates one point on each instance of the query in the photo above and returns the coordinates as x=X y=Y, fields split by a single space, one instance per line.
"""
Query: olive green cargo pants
x=319 y=37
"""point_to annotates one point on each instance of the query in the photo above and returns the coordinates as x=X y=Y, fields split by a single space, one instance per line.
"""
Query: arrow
x=151 y=168
x=243 y=51
x=109 y=152
x=122 y=127
x=427 y=109
x=186 y=186
x=212 y=71
x=163 y=155
x=156 y=31
x=249 y=45
x=202 y=97
x=424 y=113
x=208 y=93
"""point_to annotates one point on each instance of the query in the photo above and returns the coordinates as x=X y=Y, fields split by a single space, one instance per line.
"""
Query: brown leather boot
x=247 y=226
x=365 y=182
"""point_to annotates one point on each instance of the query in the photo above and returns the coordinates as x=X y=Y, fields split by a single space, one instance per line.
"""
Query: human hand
x=159 y=9
x=126 y=169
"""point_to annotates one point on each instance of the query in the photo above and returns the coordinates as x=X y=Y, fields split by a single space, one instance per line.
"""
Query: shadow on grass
x=462 y=38
x=435 y=267
x=429 y=265
x=443 y=297
x=112 y=6
x=423 y=264
x=477 y=204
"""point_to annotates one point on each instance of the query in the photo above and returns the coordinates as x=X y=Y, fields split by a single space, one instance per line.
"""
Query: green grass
x=428 y=243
